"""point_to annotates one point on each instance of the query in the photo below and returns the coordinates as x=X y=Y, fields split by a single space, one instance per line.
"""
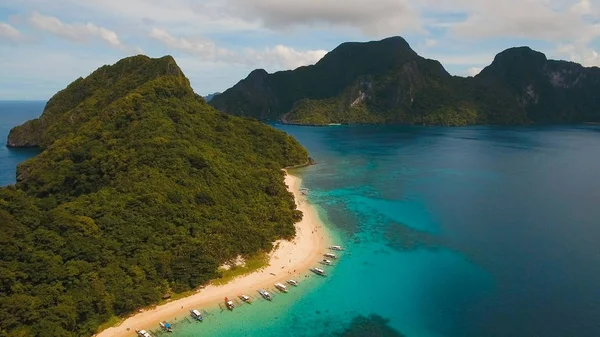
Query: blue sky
x=45 y=45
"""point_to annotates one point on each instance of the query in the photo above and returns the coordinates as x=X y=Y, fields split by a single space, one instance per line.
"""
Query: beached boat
x=330 y=255
x=336 y=248
x=229 y=304
x=197 y=315
x=143 y=333
x=326 y=262
x=318 y=271
x=166 y=326
x=292 y=282
x=245 y=298
x=281 y=287
x=265 y=294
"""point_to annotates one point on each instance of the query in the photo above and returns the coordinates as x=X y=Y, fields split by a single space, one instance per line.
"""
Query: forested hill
x=141 y=189
x=387 y=82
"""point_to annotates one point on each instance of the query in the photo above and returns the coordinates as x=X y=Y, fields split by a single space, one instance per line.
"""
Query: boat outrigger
x=336 y=248
x=281 y=287
x=292 y=282
x=318 y=271
x=245 y=298
x=197 y=315
x=265 y=294
x=330 y=255
x=229 y=304
x=166 y=326
x=143 y=333
x=326 y=262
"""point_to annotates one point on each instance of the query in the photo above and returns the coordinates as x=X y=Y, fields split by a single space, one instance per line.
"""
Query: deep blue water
x=479 y=231
x=13 y=113
x=450 y=232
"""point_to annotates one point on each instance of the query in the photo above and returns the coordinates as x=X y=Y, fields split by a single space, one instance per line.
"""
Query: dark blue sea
x=450 y=232
x=14 y=113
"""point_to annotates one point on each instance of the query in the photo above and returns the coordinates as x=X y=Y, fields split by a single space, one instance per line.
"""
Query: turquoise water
x=450 y=232
x=14 y=113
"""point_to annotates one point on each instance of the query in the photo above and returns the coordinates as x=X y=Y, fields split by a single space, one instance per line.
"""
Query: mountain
x=141 y=189
x=387 y=82
x=209 y=97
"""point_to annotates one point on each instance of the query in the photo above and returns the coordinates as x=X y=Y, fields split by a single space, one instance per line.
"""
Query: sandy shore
x=290 y=259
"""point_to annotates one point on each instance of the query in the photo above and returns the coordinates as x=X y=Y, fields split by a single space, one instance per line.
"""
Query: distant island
x=386 y=82
x=209 y=97
x=141 y=189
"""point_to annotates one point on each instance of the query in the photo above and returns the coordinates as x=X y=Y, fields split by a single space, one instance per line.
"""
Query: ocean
x=449 y=232
x=14 y=113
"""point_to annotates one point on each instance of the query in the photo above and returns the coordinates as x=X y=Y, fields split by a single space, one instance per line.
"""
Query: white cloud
x=429 y=43
x=373 y=18
x=276 y=58
x=10 y=33
x=76 y=32
x=581 y=54
x=473 y=71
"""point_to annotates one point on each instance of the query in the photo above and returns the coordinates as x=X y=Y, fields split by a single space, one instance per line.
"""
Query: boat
x=229 y=304
x=304 y=191
x=245 y=298
x=166 y=326
x=281 y=287
x=143 y=333
x=318 y=271
x=265 y=294
x=326 y=262
x=292 y=282
x=330 y=255
x=197 y=315
x=336 y=248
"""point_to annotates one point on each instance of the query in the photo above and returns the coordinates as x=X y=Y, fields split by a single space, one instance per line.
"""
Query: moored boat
x=143 y=333
x=318 y=271
x=292 y=282
x=166 y=326
x=245 y=298
x=336 y=248
x=265 y=294
x=197 y=315
x=326 y=262
x=281 y=287
x=229 y=304
x=330 y=255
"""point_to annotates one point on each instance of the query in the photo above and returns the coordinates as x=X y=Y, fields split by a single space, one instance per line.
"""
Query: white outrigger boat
x=281 y=287
x=326 y=262
x=229 y=304
x=265 y=294
x=330 y=255
x=292 y=282
x=197 y=315
x=338 y=248
x=245 y=298
x=166 y=326
x=143 y=333
x=318 y=271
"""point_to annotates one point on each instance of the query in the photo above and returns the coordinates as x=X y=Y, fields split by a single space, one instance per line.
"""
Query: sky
x=46 y=44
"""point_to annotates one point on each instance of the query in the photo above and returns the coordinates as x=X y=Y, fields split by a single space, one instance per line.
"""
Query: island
x=387 y=82
x=141 y=189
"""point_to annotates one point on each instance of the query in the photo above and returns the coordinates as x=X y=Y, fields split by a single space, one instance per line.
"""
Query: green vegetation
x=252 y=263
x=141 y=189
x=387 y=82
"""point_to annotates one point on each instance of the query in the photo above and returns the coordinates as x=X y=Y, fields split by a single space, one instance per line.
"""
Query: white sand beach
x=290 y=259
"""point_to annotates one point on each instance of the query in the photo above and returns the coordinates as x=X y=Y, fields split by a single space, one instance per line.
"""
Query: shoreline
x=290 y=259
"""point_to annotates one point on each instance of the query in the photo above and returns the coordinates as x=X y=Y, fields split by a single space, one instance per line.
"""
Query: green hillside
x=387 y=82
x=141 y=189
